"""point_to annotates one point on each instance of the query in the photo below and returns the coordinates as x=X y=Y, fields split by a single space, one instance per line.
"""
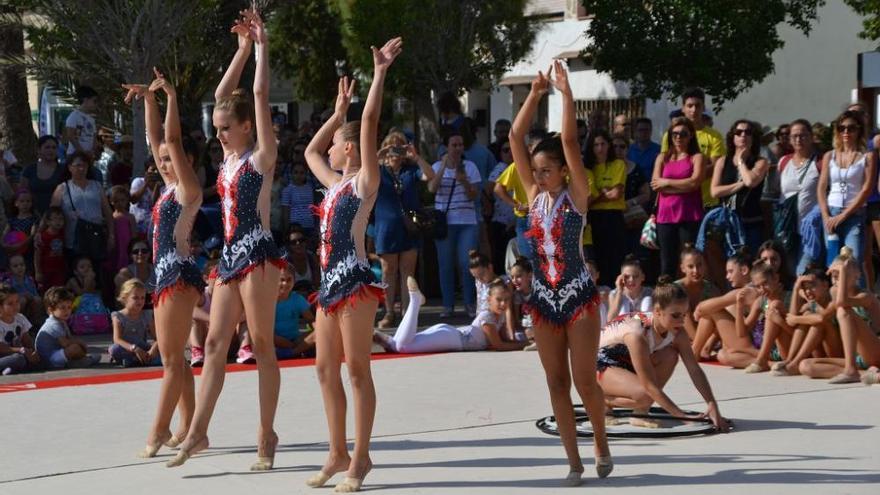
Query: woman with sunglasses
x=798 y=176
x=738 y=179
x=303 y=261
x=844 y=185
x=678 y=174
x=141 y=266
x=638 y=353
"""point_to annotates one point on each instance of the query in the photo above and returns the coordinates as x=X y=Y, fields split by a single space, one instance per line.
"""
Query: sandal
x=871 y=377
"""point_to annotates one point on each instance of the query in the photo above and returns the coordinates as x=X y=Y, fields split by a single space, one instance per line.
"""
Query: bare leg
x=811 y=341
x=226 y=309
x=328 y=363
x=821 y=367
x=553 y=351
x=390 y=276
x=356 y=325
x=172 y=330
x=583 y=345
x=408 y=260
x=705 y=330
x=259 y=290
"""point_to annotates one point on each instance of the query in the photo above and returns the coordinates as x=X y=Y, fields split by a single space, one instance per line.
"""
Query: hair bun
x=239 y=92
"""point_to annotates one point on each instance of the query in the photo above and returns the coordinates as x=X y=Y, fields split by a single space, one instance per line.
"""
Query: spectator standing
x=82 y=199
x=43 y=177
x=298 y=198
x=844 y=186
x=401 y=174
x=799 y=176
x=456 y=186
x=500 y=132
x=709 y=141
x=606 y=205
x=678 y=173
x=643 y=152
x=79 y=128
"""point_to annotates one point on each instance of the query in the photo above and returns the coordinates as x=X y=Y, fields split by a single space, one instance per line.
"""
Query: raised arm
x=233 y=73
x=152 y=117
x=520 y=129
x=188 y=186
x=368 y=177
x=316 y=151
x=578 y=187
x=267 y=148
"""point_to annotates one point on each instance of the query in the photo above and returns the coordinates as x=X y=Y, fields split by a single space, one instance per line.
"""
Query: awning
x=517 y=80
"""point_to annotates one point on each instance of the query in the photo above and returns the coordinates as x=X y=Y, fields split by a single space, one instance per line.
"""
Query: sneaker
x=446 y=313
x=245 y=355
x=7 y=371
x=197 y=357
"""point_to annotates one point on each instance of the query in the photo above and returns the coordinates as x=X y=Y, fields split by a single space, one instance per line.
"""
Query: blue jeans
x=852 y=231
x=522 y=225
x=452 y=252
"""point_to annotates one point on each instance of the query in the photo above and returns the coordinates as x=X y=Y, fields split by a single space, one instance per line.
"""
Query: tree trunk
x=16 y=126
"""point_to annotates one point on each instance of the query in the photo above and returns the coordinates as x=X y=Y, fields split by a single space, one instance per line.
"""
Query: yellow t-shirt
x=711 y=144
x=510 y=180
x=608 y=175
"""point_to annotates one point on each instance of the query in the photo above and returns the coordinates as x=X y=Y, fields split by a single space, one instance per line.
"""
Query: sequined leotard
x=173 y=266
x=244 y=199
x=345 y=270
x=562 y=289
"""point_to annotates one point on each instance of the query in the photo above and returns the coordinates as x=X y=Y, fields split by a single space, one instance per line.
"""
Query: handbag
x=429 y=223
x=90 y=239
x=649 y=233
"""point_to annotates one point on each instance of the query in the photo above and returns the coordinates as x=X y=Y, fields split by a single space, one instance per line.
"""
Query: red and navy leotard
x=345 y=270
x=173 y=265
x=244 y=199
x=562 y=288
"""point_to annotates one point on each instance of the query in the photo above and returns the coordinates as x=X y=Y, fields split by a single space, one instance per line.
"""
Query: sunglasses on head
x=743 y=132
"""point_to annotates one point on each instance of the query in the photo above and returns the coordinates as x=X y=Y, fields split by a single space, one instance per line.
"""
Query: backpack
x=91 y=316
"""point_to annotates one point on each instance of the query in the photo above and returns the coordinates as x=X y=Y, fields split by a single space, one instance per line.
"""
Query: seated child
x=483 y=334
x=629 y=295
x=695 y=285
x=811 y=315
x=55 y=344
x=132 y=327
x=519 y=323
x=290 y=308
x=25 y=286
x=17 y=352
x=715 y=316
x=774 y=342
x=856 y=311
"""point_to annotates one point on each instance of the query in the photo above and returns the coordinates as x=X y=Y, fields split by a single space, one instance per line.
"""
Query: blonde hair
x=128 y=287
x=238 y=105
x=394 y=135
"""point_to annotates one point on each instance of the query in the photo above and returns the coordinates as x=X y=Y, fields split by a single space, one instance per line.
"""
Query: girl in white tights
x=483 y=334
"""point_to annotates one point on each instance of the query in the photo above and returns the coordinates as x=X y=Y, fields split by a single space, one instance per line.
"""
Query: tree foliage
x=870 y=9
x=306 y=46
x=16 y=131
x=663 y=46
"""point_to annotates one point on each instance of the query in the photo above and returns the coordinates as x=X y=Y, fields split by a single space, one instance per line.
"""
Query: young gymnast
x=629 y=295
x=176 y=281
x=518 y=320
x=773 y=343
x=694 y=283
x=639 y=352
x=249 y=267
x=483 y=272
x=485 y=333
x=856 y=311
x=811 y=316
x=349 y=292
x=715 y=316
x=563 y=302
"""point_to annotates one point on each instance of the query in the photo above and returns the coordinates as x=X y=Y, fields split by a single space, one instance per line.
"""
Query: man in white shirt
x=79 y=128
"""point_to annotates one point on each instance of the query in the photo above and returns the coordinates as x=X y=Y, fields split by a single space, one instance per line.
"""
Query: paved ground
x=451 y=423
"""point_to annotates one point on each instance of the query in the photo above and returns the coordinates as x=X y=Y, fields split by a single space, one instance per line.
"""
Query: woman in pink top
x=677 y=177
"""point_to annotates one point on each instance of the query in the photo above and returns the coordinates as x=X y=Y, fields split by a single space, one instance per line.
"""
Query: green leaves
x=871 y=10
x=663 y=46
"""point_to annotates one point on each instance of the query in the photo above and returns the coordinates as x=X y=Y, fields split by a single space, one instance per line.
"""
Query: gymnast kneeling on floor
x=638 y=353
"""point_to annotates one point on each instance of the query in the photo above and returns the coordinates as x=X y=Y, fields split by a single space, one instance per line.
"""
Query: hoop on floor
x=669 y=426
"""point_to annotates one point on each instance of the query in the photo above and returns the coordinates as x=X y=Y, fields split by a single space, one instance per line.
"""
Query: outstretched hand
x=136 y=92
x=243 y=26
x=560 y=80
x=343 y=97
x=383 y=57
x=541 y=83
x=161 y=83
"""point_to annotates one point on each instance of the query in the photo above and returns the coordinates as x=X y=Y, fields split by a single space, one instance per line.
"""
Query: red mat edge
x=154 y=374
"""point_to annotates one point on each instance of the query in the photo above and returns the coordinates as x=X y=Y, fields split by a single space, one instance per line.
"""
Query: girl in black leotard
x=175 y=283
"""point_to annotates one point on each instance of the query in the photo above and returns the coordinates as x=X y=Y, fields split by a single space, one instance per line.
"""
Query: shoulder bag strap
x=67 y=188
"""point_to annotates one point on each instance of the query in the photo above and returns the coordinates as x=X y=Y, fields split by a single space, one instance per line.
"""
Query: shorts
x=872 y=212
